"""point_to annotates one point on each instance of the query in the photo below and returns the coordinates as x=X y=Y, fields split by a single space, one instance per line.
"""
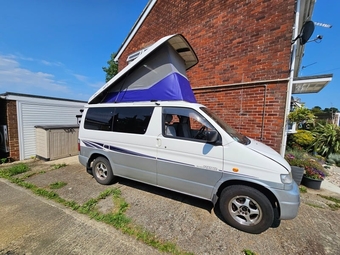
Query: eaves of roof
x=310 y=84
x=13 y=95
x=135 y=28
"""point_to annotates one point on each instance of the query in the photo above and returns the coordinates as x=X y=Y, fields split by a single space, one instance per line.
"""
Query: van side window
x=132 y=119
x=119 y=119
x=99 y=118
x=185 y=123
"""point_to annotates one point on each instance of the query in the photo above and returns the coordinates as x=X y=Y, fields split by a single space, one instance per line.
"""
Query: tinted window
x=132 y=119
x=119 y=119
x=99 y=118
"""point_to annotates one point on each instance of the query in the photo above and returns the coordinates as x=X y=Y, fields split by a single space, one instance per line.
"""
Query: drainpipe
x=291 y=77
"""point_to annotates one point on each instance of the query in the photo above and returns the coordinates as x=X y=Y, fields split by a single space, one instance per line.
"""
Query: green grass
x=314 y=205
x=57 y=166
x=116 y=218
x=303 y=189
x=14 y=170
x=336 y=202
x=57 y=185
x=28 y=175
x=248 y=252
x=334 y=206
x=333 y=199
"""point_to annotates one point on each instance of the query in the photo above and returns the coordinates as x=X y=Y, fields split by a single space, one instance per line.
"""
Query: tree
x=316 y=109
x=112 y=69
x=331 y=110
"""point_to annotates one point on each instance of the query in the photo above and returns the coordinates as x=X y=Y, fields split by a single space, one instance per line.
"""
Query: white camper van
x=177 y=144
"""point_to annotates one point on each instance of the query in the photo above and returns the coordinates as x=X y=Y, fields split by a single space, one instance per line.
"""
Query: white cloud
x=47 y=63
x=19 y=56
x=97 y=85
x=80 y=77
x=14 y=78
x=85 y=80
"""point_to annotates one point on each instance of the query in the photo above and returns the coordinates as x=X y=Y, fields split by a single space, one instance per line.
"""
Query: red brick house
x=245 y=51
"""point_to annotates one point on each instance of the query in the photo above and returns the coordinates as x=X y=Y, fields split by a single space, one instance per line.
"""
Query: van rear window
x=133 y=120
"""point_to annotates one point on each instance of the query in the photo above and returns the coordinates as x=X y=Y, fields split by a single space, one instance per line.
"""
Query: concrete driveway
x=34 y=225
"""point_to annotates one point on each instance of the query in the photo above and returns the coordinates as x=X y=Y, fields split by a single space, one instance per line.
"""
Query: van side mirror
x=211 y=136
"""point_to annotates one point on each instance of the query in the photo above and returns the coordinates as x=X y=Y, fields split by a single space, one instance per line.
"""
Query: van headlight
x=286 y=178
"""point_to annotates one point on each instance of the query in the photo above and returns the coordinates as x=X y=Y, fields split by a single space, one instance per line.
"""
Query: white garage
x=22 y=112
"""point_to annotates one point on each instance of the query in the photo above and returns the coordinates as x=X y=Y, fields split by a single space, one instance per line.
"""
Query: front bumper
x=289 y=201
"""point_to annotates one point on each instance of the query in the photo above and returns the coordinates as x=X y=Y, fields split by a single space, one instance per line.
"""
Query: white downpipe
x=291 y=78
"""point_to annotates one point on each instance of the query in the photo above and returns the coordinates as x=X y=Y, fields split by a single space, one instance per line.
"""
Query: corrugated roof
x=9 y=94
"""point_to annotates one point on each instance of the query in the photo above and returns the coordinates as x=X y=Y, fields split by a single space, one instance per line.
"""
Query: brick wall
x=237 y=42
x=12 y=126
x=256 y=110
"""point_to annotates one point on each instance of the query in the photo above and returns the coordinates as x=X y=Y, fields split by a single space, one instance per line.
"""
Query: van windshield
x=232 y=132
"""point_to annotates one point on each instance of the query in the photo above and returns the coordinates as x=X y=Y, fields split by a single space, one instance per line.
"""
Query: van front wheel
x=246 y=209
x=102 y=171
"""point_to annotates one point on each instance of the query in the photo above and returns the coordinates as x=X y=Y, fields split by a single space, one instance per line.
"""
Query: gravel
x=334 y=175
x=195 y=226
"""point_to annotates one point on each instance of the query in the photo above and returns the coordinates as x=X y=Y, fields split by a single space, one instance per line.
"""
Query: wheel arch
x=268 y=193
x=92 y=158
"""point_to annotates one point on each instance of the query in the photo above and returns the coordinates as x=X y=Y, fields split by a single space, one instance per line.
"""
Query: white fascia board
x=310 y=85
x=327 y=79
x=135 y=28
x=42 y=100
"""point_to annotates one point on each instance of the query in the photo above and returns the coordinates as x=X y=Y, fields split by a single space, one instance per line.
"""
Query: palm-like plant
x=327 y=139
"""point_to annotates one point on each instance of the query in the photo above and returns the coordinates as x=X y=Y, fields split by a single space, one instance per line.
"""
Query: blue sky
x=324 y=57
x=58 y=47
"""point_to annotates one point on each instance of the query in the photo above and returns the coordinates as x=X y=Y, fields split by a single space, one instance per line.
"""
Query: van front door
x=186 y=162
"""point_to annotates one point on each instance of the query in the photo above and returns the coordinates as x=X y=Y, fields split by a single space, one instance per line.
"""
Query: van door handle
x=159 y=142
x=106 y=147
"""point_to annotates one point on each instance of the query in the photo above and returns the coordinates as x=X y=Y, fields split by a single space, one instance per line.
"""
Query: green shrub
x=312 y=163
x=334 y=158
x=327 y=139
x=302 y=115
x=331 y=161
x=297 y=153
x=304 y=160
x=303 y=139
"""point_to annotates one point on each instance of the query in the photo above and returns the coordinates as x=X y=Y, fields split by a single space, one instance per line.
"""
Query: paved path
x=330 y=186
x=34 y=225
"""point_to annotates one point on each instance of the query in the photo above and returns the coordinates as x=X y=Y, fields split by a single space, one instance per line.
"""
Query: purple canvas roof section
x=172 y=87
x=159 y=73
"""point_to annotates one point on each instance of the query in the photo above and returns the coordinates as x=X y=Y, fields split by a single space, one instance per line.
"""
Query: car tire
x=246 y=209
x=102 y=171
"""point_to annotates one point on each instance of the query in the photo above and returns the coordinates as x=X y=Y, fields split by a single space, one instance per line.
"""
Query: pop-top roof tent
x=159 y=73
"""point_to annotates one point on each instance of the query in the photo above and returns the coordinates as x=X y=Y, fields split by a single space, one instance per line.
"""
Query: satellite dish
x=306 y=32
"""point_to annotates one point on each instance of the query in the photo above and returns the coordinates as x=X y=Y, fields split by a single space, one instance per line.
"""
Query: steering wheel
x=200 y=132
